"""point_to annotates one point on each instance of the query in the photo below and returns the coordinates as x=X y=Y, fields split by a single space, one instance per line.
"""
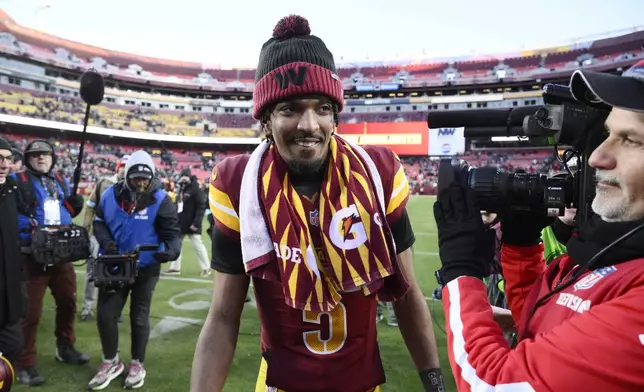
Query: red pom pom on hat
x=291 y=26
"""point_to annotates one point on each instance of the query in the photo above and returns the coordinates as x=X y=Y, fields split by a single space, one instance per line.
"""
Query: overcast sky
x=231 y=33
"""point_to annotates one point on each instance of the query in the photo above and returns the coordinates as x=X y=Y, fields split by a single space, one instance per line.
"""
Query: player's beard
x=306 y=168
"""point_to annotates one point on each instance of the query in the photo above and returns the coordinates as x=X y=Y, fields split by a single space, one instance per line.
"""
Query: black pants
x=109 y=308
x=11 y=341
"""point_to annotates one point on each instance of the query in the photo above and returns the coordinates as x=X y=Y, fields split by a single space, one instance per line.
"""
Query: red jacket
x=589 y=337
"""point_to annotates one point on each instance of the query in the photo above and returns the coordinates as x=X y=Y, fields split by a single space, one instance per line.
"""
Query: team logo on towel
x=591 y=279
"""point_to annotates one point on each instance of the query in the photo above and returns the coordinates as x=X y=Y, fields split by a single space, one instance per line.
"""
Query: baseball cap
x=140 y=171
x=625 y=91
x=39 y=146
x=122 y=162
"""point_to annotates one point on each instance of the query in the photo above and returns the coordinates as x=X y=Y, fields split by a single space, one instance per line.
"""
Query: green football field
x=180 y=305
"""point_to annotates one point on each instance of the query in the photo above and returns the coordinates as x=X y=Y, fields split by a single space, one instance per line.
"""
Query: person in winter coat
x=191 y=206
x=46 y=200
x=135 y=211
x=11 y=297
x=580 y=320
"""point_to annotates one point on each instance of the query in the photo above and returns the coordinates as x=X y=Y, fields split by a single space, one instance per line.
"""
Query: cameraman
x=191 y=205
x=102 y=184
x=581 y=320
x=135 y=211
x=46 y=201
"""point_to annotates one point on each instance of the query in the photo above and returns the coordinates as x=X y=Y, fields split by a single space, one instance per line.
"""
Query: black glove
x=523 y=228
x=74 y=204
x=562 y=231
x=465 y=244
x=110 y=248
x=162 y=257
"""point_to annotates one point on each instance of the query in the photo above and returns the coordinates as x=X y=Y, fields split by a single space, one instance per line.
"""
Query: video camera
x=59 y=244
x=561 y=121
x=117 y=270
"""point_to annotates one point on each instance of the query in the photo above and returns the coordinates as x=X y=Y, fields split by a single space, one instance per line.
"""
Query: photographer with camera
x=191 y=205
x=47 y=203
x=580 y=321
x=133 y=212
x=89 y=292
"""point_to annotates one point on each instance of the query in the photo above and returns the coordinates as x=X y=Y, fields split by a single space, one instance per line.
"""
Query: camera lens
x=490 y=185
x=497 y=190
x=114 y=269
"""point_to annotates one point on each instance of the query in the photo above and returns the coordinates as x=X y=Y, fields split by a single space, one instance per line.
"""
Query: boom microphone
x=92 y=90
x=483 y=122
x=92 y=87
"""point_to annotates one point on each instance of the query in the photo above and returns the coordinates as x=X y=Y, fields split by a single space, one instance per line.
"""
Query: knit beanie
x=294 y=63
x=5 y=145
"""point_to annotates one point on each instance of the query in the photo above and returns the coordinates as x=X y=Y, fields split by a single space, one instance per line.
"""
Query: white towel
x=255 y=236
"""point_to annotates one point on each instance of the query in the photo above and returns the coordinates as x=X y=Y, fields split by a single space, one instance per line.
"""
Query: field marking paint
x=191 y=305
x=170 y=324
x=418 y=252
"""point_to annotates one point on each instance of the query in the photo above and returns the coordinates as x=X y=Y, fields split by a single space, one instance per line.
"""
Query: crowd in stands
x=100 y=160
x=53 y=107
x=414 y=72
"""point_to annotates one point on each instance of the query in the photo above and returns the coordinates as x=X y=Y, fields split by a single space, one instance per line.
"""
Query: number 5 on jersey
x=337 y=334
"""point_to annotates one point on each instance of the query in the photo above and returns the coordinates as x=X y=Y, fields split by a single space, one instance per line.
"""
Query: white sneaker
x=107 y=371
x=135 y=375
x=206 y=273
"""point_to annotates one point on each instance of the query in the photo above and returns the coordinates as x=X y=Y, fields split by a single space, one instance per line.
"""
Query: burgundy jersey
x=313 y=351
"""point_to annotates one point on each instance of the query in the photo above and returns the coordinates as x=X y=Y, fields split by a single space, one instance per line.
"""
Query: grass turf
x=182 y=303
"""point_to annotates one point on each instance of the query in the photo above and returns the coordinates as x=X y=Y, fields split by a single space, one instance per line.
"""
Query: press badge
x=179 y=207
x=52 y=212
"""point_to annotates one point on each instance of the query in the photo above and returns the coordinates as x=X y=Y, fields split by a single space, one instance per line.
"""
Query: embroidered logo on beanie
x=291 y=75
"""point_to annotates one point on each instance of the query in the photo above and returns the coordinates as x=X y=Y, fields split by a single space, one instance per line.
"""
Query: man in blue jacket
x=46 y=200
x=134 y=211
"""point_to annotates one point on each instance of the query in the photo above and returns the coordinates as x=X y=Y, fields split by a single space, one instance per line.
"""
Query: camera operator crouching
x=46 y=205
x=580 y=320
x=133 y=212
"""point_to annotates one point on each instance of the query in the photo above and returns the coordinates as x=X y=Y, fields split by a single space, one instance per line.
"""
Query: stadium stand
x=33 y=84
x=516 y=66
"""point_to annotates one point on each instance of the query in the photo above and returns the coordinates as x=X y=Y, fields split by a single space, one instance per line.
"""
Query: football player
x=320 y=226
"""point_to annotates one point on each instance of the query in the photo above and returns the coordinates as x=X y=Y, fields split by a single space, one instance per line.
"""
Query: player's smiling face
x=302 y=129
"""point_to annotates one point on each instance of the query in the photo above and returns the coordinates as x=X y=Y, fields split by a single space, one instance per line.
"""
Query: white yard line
x=418 y=252
x=81 y=273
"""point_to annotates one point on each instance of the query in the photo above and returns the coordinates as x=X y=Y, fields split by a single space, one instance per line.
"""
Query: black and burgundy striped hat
x=292 y=63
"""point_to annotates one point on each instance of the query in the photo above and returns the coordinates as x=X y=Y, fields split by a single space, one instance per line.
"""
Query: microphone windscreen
x=92 y=87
